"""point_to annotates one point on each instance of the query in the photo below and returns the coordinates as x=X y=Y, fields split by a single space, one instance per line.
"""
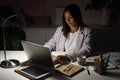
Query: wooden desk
x=9 y=74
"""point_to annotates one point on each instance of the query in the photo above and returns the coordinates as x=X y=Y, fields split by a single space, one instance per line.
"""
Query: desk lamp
x=11 y=62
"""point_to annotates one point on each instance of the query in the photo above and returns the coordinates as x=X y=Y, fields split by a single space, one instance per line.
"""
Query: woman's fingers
x=60 y=59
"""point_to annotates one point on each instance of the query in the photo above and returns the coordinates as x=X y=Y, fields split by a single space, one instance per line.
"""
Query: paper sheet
x=113 y=61
x=56 y=53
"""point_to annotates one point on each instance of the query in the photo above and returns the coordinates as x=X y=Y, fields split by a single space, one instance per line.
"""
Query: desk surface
x=9 y=74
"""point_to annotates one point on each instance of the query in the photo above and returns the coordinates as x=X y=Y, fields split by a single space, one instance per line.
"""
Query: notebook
x=41 y=63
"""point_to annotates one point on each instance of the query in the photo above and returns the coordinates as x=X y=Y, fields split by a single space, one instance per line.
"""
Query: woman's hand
x=61 y=59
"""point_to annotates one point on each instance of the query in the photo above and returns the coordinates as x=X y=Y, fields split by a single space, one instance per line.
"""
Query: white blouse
x=70 y=42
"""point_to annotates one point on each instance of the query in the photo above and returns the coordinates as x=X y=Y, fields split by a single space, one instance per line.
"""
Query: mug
x=81 y=60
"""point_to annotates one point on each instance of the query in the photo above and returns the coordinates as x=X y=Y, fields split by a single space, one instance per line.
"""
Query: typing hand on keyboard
x=61 y=60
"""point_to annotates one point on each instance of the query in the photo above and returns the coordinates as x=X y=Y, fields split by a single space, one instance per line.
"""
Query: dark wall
x=106 y=40
x=32 y=7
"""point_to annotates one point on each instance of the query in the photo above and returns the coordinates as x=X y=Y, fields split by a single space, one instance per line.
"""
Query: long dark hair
x=76 y=14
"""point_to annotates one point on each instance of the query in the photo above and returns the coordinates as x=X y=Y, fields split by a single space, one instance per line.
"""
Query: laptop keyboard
x=57 y=65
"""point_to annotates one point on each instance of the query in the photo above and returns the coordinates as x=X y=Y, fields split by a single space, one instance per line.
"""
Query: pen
x=88 y=71
x=68 y=69
x=107 y=60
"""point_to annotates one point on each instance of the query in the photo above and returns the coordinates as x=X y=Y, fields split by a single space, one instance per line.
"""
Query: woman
x=73 y=37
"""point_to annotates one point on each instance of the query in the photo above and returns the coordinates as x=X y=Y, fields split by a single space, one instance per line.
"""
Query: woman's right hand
x=61 y=59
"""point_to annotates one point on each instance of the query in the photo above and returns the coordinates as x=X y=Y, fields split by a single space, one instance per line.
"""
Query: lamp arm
x=9 y=18
x=4 y=39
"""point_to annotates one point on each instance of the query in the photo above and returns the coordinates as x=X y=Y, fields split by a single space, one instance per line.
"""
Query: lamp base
x=9 y=63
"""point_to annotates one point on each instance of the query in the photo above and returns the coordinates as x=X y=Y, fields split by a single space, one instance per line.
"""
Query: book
x=70 y=69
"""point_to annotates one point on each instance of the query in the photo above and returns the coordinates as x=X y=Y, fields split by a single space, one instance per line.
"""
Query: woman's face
x=69 y=19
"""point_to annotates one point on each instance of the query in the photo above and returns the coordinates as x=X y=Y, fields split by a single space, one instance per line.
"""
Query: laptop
x=40 y=59
x=41 y=63
x=38 y=54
